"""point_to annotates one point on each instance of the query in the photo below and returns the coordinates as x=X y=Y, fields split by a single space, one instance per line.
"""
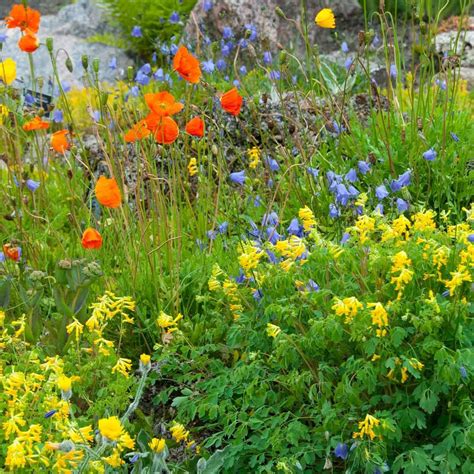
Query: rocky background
x=74 y=24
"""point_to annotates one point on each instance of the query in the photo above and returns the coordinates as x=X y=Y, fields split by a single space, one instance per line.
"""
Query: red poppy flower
x=163 y=104
x=24 y=18
x=36 y=124
x=186 y=65
x=29 y=43
x=13 y=253
x=195 y=127
x=91 y=239
x=167 y=131
x=107 y=192
x=59 y=141
x=232 y=101
x=137 y=132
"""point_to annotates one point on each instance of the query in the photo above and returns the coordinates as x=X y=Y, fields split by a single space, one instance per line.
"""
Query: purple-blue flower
x=50 y=413
x=222 y=228
x=348 y=63
x=379 y=209
x=257 y=295
x=470 y=238
x=333 y=211
x=430 y=155
x=267 y=58
x=3 y=37
x=454 y=136
x=58 y=116
x=381 y=192
x=295 y=228
x=207 y=5
x=272 y=163
x=221 y=64
x=342 y=194
x=273 y=235
x=351 y=175
x=345 y=237
x=257 y=201
x=208 y=66
x=363 y=166
x=238 y=177
x=344 y=47
x=174 y=18
x=137 y=32
x=270 y=219
x=354 y=192
x=463 y=372
x=274 y=75
x=312 y=285
x=227 y=32
x=402 y=181
x=252 y=29
x=243 y=70
x=313 y=171
x=393 y=71
x=341 y=451
x=32 y=185
x=29 y=99
x=2 y=257
x=402 y=205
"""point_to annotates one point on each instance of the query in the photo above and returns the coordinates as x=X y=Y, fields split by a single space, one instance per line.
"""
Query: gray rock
x=70 y=29
x=461 y=44
x=46 y=7
x=272 y=29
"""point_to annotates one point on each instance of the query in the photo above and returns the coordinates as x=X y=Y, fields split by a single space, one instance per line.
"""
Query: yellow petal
x=8 y=71
x=325 y=18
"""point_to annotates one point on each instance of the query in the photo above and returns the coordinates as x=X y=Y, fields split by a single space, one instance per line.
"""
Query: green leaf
x=429 y=401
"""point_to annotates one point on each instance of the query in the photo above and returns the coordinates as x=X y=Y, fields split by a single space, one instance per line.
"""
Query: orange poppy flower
x=232 y=101
x=91 y=239
x=59 y=141
x=186 y=65
x=24 y=18
x=13 y=253
x=107 y=192
x=137 y=132
x=195 y=127
x=28 y=43
x=36 y=124
x=163 y=104
x=167 y=131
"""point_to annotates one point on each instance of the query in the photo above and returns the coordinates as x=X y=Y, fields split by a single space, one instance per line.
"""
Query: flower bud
x=85 y=62
x=49 y=44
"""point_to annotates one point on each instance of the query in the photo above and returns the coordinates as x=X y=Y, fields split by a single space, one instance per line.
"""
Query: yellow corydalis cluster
x=379 y=318
x=366 y=427
x=347 y=307
x=167 y=322
x=401 y=264
x=307 y=217
x=254 y=155
x=108 y=307
x=415 y=363
x=192 y=167
x=273 y=330
x=424 y=220
x=250 y=257
x=364 y=226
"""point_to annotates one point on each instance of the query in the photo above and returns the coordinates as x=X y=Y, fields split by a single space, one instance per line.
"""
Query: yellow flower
x=254 y=157
x=13 y=424
x=347 y=307
x=16 y=456
x=110 y=428
x=273 y=330
x=192 y=167
x=64 y=383
x=404 y=375
x=424 y=220
x=157 y=445
x=145 y=359
x=75 y=327
x=123 y=366
x=307 y=217
x=8 y=71
x=250 y=257
x=458 y=277
x=82 y=435
x=366 y=427
x=379 y=318
x=165 y=321
x=325 y=19
x=114 y=459
x=179 y=432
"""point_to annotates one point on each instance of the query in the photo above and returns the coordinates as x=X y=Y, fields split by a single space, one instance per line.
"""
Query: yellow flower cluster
x=192 y=167
x=250 y=257
x=366 y=427
x=347 y=307
x=400 y=265
x=254 y=154
x=273 y=330
x=307 y=217
x=364 y=226
x=167 y=322
x=379 y=318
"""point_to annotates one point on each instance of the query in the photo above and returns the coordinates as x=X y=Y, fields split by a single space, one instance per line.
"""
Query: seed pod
x=85 y=62
x=69 y=65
